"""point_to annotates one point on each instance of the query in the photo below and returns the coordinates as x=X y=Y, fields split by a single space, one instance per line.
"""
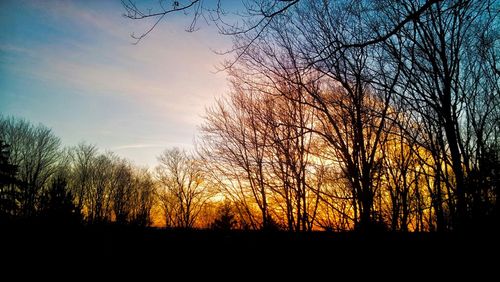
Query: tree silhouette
x=226 y=218
x=36 y=151
x=183 y=194
x=8 y=192
x=57 y=205
x=407 y=103
x=344 y=115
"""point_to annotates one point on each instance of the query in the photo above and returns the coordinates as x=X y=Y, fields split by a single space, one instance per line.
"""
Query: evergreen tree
x=57 y=204
x=225 y=220
x=8 y=190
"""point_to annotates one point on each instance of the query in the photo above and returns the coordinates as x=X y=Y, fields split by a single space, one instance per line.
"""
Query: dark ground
x=127 y=250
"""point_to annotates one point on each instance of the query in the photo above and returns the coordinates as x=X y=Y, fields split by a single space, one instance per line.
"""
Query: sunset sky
x=71 y=65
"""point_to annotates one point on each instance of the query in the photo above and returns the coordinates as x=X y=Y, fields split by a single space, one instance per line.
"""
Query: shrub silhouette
x=226 y=219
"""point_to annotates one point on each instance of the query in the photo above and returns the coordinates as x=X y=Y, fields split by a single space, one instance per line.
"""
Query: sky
x=71 y=66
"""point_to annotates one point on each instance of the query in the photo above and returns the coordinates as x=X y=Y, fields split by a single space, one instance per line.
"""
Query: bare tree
x=254 y=17
x=400 y=163
x=402 y=96
x=99 y=200
x=431 y=52
x=83 y=157
x=351 y=101
x=234 y=142
x=123 y=191
x=143 y=198
x=35 y=151
x=290 y=172
x=182 y=191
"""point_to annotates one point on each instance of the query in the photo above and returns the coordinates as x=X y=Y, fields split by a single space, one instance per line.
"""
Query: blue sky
x=71 y=66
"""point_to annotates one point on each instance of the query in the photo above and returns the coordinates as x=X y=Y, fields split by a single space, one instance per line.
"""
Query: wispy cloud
x=137 y=146
x=167 y=78
x=171 y=72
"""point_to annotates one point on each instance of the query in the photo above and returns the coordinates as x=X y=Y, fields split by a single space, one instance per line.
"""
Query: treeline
x=342 y=115
x=357 y=115
x=42 y=181
x=46 y=179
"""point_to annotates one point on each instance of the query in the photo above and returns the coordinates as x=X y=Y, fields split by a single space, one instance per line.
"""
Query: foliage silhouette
x=9 y=195
x=226 y=218
x=57 y=205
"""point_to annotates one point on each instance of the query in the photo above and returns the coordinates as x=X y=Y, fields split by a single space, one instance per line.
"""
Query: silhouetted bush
x=226 y=218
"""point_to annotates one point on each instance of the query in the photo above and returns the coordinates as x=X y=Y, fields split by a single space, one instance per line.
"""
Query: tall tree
x=235 y=141
x=405 y=102
x=122 y=191
x=183 y=194
x=143 y=198
x=83 y=157
x=432 y=53
x=35 y=151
